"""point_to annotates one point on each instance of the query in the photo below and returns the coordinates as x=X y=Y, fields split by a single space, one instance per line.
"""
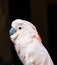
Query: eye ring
x=20 y=28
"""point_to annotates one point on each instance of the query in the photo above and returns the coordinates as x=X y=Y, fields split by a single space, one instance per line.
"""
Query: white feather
x=28 y=45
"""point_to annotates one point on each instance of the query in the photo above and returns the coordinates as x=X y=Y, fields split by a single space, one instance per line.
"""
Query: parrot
x=28 y=43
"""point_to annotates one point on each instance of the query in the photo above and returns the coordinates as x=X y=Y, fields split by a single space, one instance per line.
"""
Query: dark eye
x=20 y=28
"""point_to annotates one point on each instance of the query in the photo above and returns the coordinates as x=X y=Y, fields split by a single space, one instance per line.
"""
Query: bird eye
x=20 y=28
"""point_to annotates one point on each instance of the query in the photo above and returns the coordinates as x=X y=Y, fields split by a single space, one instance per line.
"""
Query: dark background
x=52 y=19
x=43 y=14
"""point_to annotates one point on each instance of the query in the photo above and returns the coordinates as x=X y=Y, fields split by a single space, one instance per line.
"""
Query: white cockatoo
x=28 y=44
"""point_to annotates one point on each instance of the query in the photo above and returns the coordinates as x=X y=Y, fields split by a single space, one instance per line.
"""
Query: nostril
x=12 y=31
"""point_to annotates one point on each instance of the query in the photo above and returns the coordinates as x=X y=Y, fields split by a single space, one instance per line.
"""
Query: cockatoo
x=28 y=44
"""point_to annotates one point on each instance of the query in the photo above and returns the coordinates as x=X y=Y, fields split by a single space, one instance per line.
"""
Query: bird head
x=21 y=28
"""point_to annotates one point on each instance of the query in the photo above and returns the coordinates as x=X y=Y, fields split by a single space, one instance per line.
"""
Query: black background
x=21 y=9
x=52 y=22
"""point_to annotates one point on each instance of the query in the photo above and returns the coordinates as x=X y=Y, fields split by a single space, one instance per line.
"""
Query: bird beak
x=12 y=31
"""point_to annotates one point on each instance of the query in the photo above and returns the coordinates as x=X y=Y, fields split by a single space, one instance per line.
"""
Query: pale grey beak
x=12 y=31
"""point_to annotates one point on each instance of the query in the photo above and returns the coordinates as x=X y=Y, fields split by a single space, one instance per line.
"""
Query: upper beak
x=12 y=31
